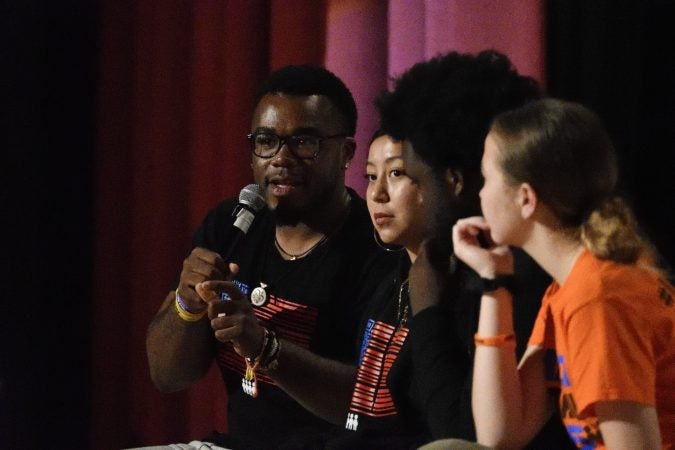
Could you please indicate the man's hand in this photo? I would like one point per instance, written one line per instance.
(180, 352)
(232, 320)
(201, 265)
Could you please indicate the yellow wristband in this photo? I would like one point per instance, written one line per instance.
(186, 315)
(502, 340)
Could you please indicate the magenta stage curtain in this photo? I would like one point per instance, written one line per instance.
(176, 88)
(415, 30)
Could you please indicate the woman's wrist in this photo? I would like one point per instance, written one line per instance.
(496, 313)
(491, 284)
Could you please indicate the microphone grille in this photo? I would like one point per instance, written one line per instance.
(252, 196)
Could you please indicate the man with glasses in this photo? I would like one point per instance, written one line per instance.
(308, 263)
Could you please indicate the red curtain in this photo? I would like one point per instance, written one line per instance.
(176, 88)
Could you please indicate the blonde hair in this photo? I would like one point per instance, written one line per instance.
(563, 151)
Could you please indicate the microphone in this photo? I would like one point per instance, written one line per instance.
(251, 201)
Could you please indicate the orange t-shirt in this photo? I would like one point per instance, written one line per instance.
(610, 332)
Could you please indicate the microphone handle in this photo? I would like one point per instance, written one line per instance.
(238, 233)
(243, 221)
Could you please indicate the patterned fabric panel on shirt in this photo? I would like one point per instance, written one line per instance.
(381, 345)
(291, 321)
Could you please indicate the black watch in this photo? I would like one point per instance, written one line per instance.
(506, 281)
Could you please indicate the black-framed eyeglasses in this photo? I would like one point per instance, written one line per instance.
(303, 146)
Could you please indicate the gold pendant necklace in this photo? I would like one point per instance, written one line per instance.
(293, 257)
(402, 311)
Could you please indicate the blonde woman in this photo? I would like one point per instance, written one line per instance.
(605, 333)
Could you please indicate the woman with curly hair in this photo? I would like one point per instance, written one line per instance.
(413, 380)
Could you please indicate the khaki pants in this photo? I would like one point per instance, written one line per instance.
(453, 444)
(194, 445)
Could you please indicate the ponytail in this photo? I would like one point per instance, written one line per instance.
(612, 232)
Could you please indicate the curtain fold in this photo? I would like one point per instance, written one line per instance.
(356, 51)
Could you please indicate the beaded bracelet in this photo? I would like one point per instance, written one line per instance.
(270, 359)
(184, 312)
(501, 340)
(249, 383)
(267, 360)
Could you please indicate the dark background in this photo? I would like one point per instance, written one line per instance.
(49, 68)
(616, 57)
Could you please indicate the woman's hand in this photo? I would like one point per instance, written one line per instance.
(488, 261)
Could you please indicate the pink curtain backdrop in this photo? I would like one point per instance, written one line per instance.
(356, 50)
(176, 87)
(416, 30)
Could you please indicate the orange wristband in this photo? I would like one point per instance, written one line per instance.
(501, 340)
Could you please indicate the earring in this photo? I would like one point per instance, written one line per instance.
(346, 166)
(455, 181)
(458, 187)
(383, 246)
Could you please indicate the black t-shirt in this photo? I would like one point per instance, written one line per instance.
(315, 302)
(414, 381)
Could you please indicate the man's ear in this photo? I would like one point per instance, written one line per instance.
(348, 149)
(527, 200)
(455, 180)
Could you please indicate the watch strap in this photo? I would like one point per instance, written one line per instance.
(507, 282)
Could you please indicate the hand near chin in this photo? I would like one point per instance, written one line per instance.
(232, 320)
(486, 258)
(429, 274)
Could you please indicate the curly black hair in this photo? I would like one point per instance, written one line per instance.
(304, 80)
(444, 107)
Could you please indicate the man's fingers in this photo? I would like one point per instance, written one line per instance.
(206, 294)
(233, 269)
(219, 287)
(218, 308)
(205, 269)
(212, 292)
(228, 334)
(208, 263)
(221, 266)
(223, 320)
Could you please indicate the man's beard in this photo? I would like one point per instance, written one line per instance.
(285, 214)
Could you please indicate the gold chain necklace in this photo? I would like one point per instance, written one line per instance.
(259, 294)
(402, 314)
(293, 257)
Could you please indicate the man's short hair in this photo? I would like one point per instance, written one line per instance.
(305, 80)
(444, 106)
